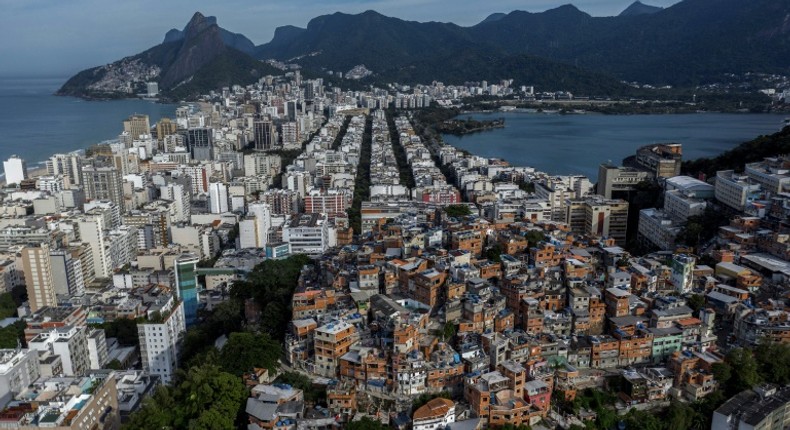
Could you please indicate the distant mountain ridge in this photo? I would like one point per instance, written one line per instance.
(639, 8)
(689, 43)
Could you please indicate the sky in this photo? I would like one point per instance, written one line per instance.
(57, 38)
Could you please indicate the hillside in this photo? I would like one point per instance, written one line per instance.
(199, 58)
(747, 152)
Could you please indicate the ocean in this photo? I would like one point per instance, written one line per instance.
(35, 124)
(578, 144)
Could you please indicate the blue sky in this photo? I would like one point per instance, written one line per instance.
(61, 37)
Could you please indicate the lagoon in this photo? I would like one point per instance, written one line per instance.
(579, 143)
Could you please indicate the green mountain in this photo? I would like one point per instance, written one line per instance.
(691, 42)
(200, 58)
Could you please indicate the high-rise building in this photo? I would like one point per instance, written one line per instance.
(281, 202)
(91, 231)
(18, 369)
(160, 339)
(70, 343)
(165, 127)
(615, 181)
(67, 273)
(152, 89)
(291, 110)
(103, 183)
(606, 218)
(185, 268)
(137, 125)
(290, 133)
(682, 272)
(263, 133)
(38, 277)
(68, 165)
(218, 197)
(254, 230)
(199, 143)
(15, 170)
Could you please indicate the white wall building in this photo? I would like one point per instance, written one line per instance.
(15, 170)
(160, 339)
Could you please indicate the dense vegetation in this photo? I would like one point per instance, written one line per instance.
(457, 211)
(13, 334)
(229, 68)
(206, 397)
(362, 182)
(208, 392)
(468, 125)
(342, 132)
(406, 175)
(123, 329)
(312, 393)
(699, 229)
(747, 152)
(271, 285)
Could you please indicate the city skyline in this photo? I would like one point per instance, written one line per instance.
(87, 39)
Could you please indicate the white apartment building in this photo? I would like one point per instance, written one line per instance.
(18, 369)
(734, 190)
(70, 343)
(160, 339)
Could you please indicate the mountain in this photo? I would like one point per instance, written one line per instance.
(494, 17)
(691, 42)
(639, 8)
(234, 40)
(341, 41)
(185, 58)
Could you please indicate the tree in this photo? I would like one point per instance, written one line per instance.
(774, 362)
(156, 412)
(534, 237)
(722, 372)
(114, 365)
(494, 253)
(123, 329)
(312, 393)
(7, 306)
(696, 302)
(681, 416)
(245, 351)
(636, 419)
(366, 423)
(746, 375)
(204, 398)
(457, 211)
(12, 335)
(449, 330)
(271, 284)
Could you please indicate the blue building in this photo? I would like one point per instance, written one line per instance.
(185, 268)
